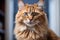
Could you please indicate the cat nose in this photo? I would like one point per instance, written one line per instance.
(30, 18)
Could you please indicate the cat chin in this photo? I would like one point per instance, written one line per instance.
(30, 25)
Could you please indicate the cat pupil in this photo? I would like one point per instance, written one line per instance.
(34, 13)
(25, 13)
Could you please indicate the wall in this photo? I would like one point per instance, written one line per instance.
(54, 16)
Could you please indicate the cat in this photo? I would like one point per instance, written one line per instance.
(31, 23)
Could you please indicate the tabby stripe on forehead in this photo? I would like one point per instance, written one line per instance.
(31, 9)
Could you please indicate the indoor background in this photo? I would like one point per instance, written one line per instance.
(9, 8)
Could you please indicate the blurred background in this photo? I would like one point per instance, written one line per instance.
(9, 8)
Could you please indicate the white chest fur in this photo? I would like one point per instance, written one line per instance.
(22, 28)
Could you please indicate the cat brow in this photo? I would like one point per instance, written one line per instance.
(30, 11)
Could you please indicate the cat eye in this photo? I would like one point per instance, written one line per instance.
(25, 13)
(34, 13)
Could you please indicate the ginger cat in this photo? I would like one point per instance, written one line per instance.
(31, 23)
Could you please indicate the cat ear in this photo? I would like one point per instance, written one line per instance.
(20, 5)
(40, 3)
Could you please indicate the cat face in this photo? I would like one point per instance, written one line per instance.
(30, 15)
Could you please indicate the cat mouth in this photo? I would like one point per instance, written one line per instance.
(31, 24)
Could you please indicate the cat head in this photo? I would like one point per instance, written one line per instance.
(30, 15)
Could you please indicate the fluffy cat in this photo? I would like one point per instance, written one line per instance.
(31, 24)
